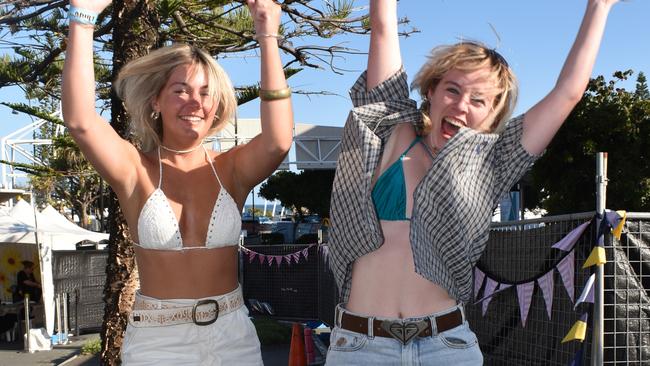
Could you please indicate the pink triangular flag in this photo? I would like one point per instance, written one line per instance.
(547, 284)
(287, 258)
(566, 267)
(490, 285)
(270, 259)
(296, 257)
(525, 294)
(261, 257)
(566, 243)
(251, 256)
(479, 276)
(305, 252)
(278, 260)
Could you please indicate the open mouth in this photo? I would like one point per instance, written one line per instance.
(450, 127)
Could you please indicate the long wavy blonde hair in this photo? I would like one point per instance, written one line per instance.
(142, 79)
(467, 57)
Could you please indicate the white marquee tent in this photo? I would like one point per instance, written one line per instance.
(51, 231)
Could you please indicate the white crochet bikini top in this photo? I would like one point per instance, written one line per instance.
(158, 227)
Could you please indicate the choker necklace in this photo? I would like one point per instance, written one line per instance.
(181, 151)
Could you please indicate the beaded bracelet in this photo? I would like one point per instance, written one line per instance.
(268, 95)
(82, 16)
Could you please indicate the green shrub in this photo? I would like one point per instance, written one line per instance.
(91, 347)
(270, 331)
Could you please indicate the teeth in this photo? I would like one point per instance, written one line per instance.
(454, 122)
(191, 118)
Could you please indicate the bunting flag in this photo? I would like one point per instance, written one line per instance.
(578, 330)
(567, 243)
(547, 284)
(490, 285)
(587, 294)
(479, 276)
(525, 294)
(566, 268)
(277, 259)
(596, 258)
(251, 256)
(618, 229)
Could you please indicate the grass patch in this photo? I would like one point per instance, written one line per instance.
(91, 347)
(270, 331)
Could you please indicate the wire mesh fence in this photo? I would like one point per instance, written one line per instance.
(627, 294)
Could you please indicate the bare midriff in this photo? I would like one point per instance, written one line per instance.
(384, 282)
(187, 274)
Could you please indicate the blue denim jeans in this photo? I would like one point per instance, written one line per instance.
(456, 346)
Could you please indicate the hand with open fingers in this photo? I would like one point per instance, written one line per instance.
(266, 16)
(95, 6)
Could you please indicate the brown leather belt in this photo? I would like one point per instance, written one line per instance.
(402, 330)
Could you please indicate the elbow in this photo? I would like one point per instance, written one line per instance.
(282, 148)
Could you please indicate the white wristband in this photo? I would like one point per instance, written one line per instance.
(82, 16)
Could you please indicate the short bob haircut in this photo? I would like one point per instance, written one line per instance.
(467, 57)
(142, 79)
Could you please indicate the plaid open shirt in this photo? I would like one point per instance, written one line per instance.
(452, 205)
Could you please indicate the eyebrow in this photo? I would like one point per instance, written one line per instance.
(182, 83)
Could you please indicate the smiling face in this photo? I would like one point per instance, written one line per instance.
(461, 99)
(186, 106)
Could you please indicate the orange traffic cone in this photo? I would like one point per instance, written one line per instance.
(297, 349)
(309, 345)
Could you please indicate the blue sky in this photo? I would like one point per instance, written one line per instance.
(535, 36)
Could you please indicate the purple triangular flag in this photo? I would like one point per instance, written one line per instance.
(490, 285)
(547, 284)
(503, 286)
(566, 243)
(261, 257)
(251, 256)
(305, 252)
(479, 276)
(566, 269)
(296, 257)
(525, 295)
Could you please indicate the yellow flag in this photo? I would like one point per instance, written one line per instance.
(619, 228)
(597, 257)
(577, 332)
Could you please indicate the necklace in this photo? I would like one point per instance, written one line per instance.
(181, 151)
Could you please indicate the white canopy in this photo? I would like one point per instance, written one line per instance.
(22, 224)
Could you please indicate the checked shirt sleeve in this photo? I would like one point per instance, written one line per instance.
(512, 160)
(384, 105)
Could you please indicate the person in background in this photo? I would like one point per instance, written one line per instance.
(415, 188)
(26, 283)
(181, 201)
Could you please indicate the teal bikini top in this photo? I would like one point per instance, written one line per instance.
(389, 192)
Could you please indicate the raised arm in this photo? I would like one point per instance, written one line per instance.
(384, 55)
(100, 144)
(544, 119)
(261, 156)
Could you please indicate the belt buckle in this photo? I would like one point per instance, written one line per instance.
(404, 331)
(205, 302)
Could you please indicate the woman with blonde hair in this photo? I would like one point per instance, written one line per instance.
(415, 189)
(181, 201)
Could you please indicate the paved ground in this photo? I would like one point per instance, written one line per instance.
(11, 354)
